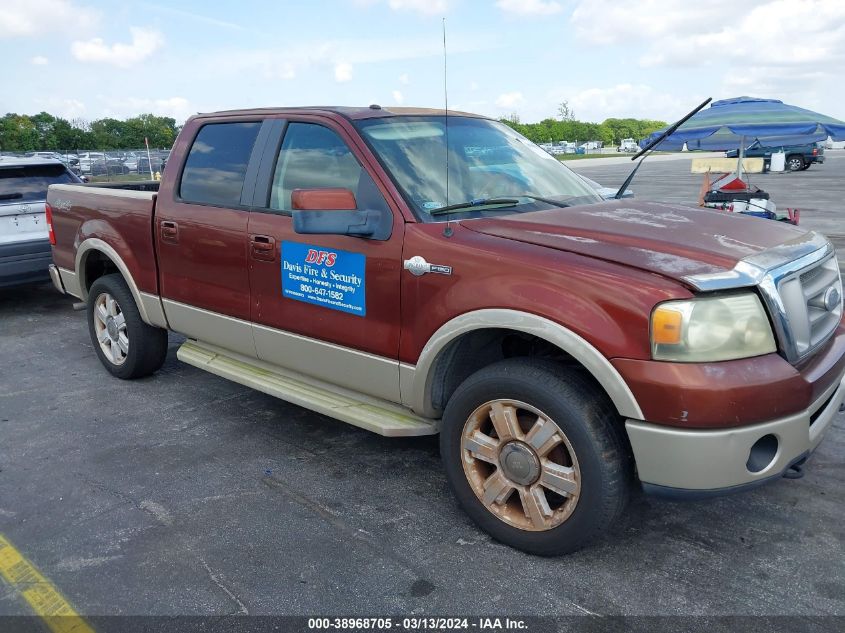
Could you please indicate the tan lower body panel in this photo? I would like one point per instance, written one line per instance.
(716, 459)
(373, 414)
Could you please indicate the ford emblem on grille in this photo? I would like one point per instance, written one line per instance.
(831, 299)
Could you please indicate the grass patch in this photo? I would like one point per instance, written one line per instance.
(119, 178)
(581, 156)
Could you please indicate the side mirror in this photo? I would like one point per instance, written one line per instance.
(323, 200)
(333, 212)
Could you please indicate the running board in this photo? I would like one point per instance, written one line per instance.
(373, 414)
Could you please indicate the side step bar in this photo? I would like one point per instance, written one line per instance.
(373, 414)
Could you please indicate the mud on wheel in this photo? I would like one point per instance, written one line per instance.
(534, 453)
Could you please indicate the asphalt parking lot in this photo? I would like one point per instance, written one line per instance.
(184, 493)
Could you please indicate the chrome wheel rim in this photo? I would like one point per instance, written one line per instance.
(795, 164)
(520, 465)
(110, 328)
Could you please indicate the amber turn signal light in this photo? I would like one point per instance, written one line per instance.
(666, 326)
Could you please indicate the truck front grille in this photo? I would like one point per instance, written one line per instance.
(812, 302)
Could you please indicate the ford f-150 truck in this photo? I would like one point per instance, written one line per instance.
(411, 272)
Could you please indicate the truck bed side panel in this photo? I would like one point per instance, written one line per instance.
(121, 218)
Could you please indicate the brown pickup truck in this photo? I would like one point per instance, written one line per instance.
(412, 273)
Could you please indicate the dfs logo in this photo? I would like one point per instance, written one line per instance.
(320, 257)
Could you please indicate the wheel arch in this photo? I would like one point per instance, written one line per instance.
(419, 384)
(94, 249)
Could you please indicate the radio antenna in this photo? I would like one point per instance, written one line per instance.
(447, 231)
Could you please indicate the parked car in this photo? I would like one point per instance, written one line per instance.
(563, 346)
(628, 145)
(144, 163)
(107, 167)
(130, 161)
(87, 158)
(798, 157)
(24, 245)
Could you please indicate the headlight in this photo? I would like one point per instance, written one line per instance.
(710, 329)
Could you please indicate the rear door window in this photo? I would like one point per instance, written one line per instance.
(217, 162)
(29, 183)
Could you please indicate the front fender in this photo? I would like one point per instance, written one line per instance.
(416, 381)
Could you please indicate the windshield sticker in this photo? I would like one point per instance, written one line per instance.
(330, 278)
(431, 204)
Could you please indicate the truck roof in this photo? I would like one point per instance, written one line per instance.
(349, 112)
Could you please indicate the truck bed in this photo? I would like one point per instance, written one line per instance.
(119, 214)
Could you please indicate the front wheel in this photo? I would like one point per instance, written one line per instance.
(125, 345)
(535, 455)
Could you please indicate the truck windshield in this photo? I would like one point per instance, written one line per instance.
(486, 160)
(29, 183)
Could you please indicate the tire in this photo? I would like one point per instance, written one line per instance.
(588, 462)
(794, 162)
(125, 345)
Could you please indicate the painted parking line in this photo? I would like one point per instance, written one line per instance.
(43, 597)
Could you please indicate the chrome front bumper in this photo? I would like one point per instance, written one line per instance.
(684, 462)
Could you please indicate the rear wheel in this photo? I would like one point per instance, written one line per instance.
(794, 162)
(127, 347)
(534, 454)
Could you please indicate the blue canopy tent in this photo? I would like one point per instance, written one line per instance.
(727, 124)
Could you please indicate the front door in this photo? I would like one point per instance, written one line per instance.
(324, 305)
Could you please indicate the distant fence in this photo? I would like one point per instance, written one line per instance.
(100, 164)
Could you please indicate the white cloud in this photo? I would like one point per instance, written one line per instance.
(768, 48)
(398, 97)
(145, 42)
(343, 72)
(426, 7)
(25, 18)
(625, 100)
(404, 79)
(509, 100)
(529, 7)
(65, 108)
(197, 17)
(177, 107)
(329, 56)
(39, 60)
(473, 86)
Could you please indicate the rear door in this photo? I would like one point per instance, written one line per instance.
(201, 233)
(324, 305)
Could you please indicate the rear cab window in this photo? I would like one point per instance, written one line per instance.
(217, 162)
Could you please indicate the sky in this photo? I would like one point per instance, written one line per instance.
(607, 58)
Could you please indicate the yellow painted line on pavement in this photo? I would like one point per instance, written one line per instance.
(42, 596)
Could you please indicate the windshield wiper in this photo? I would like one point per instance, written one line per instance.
(645, 151)
(10, 196)
(551, 201)
(472, 204)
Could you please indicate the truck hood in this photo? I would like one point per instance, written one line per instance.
(671, 240)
